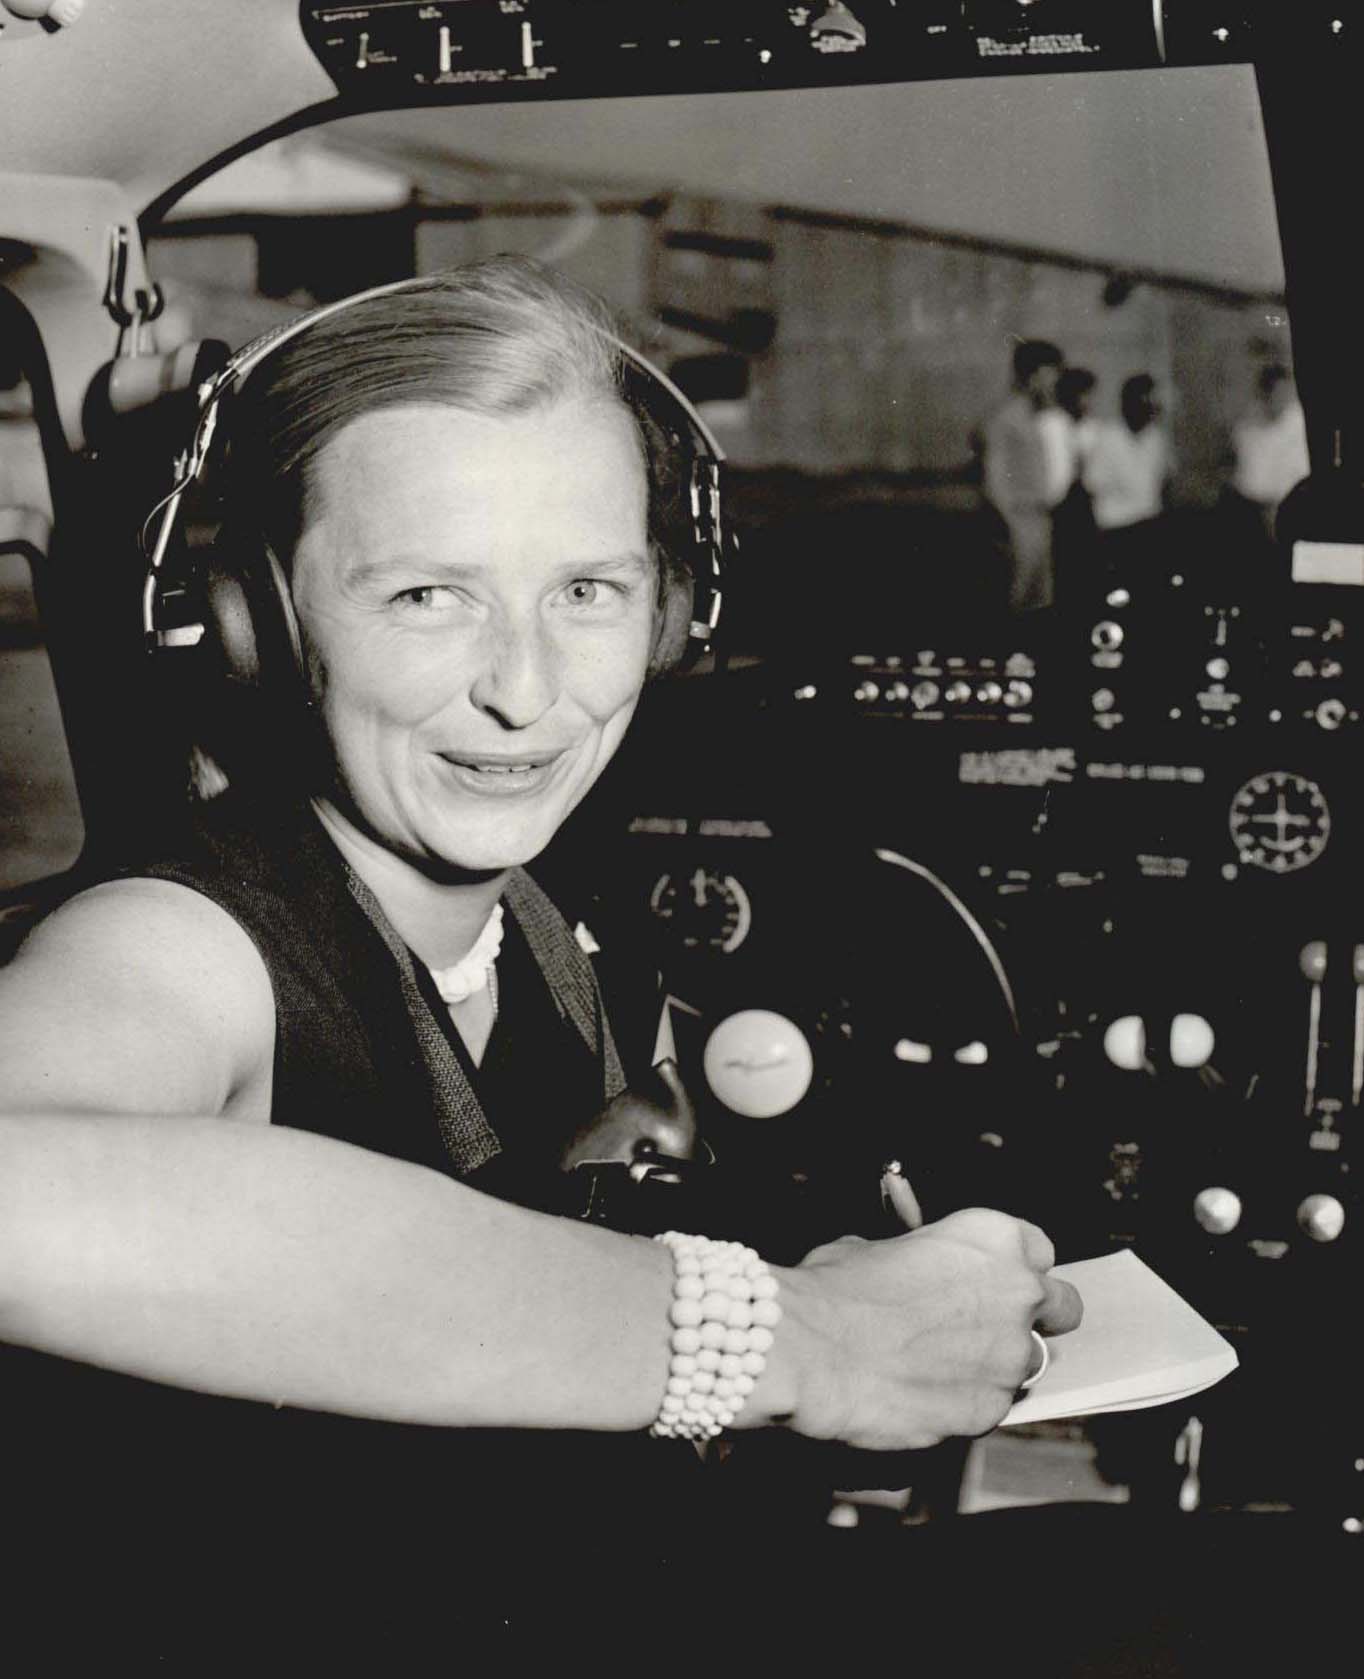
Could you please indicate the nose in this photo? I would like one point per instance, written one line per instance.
(518, 680)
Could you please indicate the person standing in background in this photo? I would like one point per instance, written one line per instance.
(1270, 444)
(1073, 521)
(1128, 467)
(1027, 469)
(1075, 405)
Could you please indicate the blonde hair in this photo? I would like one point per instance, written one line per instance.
(496, 338)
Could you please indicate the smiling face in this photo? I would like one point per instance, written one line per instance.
(478, 603)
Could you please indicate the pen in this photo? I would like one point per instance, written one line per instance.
(898, 1198)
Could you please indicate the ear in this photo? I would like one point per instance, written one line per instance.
(672, 622)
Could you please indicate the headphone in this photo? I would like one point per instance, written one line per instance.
(234, 599)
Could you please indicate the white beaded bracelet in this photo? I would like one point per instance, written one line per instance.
(723, 1313)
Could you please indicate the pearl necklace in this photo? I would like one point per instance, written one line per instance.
(471, 973)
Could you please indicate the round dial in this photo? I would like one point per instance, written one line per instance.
(703, 910)
(1279, 821)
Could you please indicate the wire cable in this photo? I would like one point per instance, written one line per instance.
(973, 926)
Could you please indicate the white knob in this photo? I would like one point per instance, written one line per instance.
(1321, 1217)
(1217, 1210)
(60, 11)
(1191, 1041)
(1125, 1042)
(758, 1063)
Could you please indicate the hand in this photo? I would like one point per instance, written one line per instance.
(895, 1345)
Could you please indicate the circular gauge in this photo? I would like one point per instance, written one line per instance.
(703, 910)
(1279, 821)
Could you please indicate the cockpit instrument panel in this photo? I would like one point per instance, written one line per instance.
(426, 51)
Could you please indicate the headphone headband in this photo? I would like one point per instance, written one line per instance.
(704, 491)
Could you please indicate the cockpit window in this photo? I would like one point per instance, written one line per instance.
(846, 320)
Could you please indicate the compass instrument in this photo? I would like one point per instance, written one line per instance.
(1279, 821)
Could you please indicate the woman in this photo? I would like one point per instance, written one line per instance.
(283, 1104)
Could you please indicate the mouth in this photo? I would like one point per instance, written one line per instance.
(502, 774)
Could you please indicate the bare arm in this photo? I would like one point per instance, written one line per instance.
(277, 1265)
(246, 1259)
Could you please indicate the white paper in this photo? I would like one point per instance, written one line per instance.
(1140, 1344)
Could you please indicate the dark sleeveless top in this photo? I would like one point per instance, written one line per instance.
(205, 1484)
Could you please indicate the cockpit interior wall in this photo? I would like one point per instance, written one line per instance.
(1053, 895)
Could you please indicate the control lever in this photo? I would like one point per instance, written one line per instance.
(1357, 1068)
(897, 1198)
(1312, 962)
(639, 1125)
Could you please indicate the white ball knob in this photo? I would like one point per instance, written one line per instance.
(60, 11)
(1217, 1210)
(1125, 1042)
(1321, 1217)
(758, 1063)
(1191, 1041)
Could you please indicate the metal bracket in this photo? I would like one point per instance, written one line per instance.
(132, 307)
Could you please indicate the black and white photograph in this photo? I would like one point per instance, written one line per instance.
(681, 907)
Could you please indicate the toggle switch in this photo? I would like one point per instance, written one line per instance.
(1191, 1041)
(1312, 963)
(1321, 1217)
(910, 1049)
(1125, 1042)
(1357, 1062)
(1217, 1210)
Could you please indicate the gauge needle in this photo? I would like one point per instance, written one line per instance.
(698, 887)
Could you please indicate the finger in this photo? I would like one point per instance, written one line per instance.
(1037, 1246)
(901, 1200)
(1062, 1308)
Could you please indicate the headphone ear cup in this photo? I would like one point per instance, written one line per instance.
(250, 621)
(673, 643)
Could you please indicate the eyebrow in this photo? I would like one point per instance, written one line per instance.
(404, 565)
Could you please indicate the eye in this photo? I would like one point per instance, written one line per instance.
(423, 597)
(597, 595)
